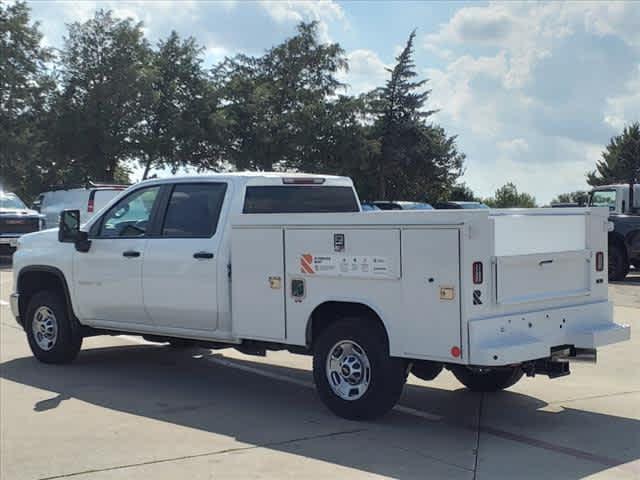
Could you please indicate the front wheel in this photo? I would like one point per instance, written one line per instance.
(50, 332)
(490, 380)
(353, 372)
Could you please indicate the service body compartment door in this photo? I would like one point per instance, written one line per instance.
(257, 283)
(542, 276)
(431, 291)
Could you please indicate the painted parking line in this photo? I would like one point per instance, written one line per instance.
(633, 467)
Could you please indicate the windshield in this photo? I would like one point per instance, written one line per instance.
(11, 201)
(603, 198)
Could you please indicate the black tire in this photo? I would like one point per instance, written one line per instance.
(618, 264)
(487, 381)
(387, 375)
(68, 340)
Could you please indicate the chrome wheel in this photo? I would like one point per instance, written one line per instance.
(348, 370)
(45, 328)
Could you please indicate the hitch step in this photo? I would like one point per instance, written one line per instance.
(551, 368)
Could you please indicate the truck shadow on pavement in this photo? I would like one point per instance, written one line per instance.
(185, 388)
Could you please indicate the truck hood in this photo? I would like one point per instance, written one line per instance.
(42, 237)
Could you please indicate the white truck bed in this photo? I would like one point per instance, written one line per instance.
(540, 289)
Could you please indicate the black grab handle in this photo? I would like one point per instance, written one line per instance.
(203, 255)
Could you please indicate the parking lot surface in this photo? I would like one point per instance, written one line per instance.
(131, 409)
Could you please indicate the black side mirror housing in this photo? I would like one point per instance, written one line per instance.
(69, 230)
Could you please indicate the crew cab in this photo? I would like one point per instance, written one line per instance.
(273, 261)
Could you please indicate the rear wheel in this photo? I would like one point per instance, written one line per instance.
(50, 332)
(353, 372)
(618, 264)
(490, 380)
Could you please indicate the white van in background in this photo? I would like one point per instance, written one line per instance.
(88, 200)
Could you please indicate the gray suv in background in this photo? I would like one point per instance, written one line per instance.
(15, 220)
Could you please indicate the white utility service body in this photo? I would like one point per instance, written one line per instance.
(540, 287)
(210, 261)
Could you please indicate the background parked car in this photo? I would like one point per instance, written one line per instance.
(88, 200)
(369, 207)
(458, 205)
(15, 220)
(402, 205)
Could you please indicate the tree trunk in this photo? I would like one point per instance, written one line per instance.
(382, 184)
(147, 169)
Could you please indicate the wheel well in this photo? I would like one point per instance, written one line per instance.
(33, 281)
(329, 312)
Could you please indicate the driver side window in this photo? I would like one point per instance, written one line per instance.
(130, 217)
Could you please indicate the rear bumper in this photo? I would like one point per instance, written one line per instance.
(528, 336)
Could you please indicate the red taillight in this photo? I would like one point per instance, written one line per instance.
(90, 205)
(477, 273)
(599, 262)
(303, 180)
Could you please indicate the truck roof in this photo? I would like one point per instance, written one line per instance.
(254, 178)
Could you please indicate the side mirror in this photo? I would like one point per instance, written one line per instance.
(69, 226)
(69, 230)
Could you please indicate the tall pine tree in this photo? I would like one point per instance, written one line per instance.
(417, 160)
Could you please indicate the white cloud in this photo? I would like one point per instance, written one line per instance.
(366, 72)
(296, 11)
(624, 108)
(534, 88)
(513, 146)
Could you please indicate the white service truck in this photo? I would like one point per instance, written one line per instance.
(287, 261)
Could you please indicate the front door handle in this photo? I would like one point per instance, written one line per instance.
(203, 255)
(130, 254)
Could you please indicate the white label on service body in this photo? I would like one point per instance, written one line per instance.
(344, 265)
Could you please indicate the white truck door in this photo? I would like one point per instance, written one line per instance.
(108, 278)
(180, 272)
(257, 283)
(431, 292)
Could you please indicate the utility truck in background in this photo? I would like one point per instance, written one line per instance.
(624, 233)
(278, 261)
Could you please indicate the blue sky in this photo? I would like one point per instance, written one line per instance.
(533, 90)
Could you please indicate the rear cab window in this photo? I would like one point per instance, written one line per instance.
(193, 210)
(300, 199)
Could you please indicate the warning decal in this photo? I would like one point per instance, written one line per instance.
(344, 265)
(306, 262)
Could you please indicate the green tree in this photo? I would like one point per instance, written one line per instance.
(176, 131)
(620, 161)
(25, 89)
(461, 192)
(508, 196)
(105, 95)
(417, 160)
(580, 197)
(277, 106)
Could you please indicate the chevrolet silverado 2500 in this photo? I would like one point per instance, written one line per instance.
(283, 261)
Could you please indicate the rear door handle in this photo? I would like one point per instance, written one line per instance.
(545, 262)
(130, 254)
(203, 255)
